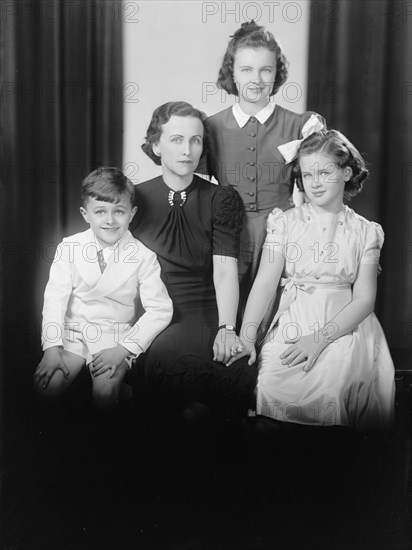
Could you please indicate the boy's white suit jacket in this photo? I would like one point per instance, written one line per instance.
(86, 311)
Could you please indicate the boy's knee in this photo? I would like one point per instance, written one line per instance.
(106, 396)
(53, 392)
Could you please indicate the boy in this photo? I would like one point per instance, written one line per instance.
(97, 276)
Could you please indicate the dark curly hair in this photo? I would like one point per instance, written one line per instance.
(161, 116)
(107, 184)
(336, 145)
(251, 35)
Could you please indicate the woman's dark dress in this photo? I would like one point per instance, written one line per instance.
(185, 230)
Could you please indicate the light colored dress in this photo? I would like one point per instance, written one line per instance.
(352, 382)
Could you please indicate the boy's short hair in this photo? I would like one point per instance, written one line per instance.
(107, 184)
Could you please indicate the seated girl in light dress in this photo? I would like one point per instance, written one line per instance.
(324, 360)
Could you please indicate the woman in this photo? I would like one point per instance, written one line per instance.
(193, 226)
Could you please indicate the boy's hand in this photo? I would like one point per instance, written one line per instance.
(51, 362)
(108, 360)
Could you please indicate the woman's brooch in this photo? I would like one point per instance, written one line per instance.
(177, 198)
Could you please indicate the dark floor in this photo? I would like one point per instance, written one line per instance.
(77, 481)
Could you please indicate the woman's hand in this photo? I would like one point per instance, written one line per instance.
(225, 342)
(108, 360)
(303, 352)
(228, 347)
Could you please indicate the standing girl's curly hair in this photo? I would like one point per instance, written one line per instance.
(251, 35)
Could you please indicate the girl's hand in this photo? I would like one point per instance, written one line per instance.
(108, 360)
(51, 362)
(304, 352)
(243, 350)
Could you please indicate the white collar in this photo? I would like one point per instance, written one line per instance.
(262, 116)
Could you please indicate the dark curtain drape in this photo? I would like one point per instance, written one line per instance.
(61, 111)
(360, 79)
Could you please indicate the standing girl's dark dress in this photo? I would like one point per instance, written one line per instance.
(185, 230)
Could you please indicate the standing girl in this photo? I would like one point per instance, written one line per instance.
(325, 359)
(245, 140)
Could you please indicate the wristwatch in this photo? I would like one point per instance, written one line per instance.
(226, 327)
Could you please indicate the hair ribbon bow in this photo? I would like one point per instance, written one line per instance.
(289, 150)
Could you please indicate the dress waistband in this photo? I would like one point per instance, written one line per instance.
(303, 284)
(290, 290)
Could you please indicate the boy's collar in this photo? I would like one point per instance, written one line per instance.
(242, 118)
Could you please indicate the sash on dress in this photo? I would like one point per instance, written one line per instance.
(291, 286)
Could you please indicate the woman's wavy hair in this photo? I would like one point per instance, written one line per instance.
(344, 153)
(161, 116)
(251, 35)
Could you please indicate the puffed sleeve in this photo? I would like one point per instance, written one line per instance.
(373, 244)
(276, 231)
(227, 208)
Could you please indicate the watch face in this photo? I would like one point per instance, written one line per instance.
(227, 327)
